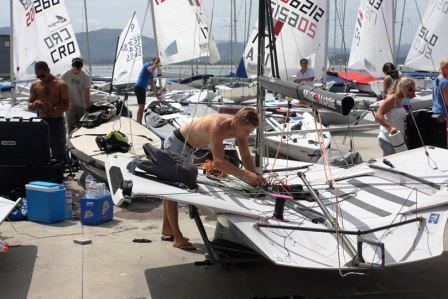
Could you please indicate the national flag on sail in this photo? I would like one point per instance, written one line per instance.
(278, 27)
(194, 3)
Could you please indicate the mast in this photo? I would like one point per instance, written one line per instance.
(261, 93)
(264, 14)
(117, 52)
(394, 12)
(327, 33)
(11, 56)
(231, 36)
(234, 30)
(87, 35)
(156, 42)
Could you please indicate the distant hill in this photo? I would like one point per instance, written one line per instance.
(4, 30)
(104, 41)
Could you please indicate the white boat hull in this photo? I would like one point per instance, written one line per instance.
(370, 196)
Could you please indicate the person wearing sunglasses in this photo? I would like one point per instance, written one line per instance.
(391, 114)
(49, 98)
(79, 83)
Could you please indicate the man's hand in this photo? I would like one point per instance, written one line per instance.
(255, 179)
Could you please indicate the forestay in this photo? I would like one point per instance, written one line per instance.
(300, 31)
(373, 43)
(182, 31)
(129, 57)
(42, 31)
(429, 45)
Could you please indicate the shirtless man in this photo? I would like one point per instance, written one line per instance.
(49, 98)
(210, 130)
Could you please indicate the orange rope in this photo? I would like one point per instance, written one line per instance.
(210, 169)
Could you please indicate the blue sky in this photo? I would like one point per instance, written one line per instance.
(116, 13)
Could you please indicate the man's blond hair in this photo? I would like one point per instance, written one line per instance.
(247, 116)
(443, 63)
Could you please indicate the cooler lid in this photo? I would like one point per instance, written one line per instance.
(44, 186)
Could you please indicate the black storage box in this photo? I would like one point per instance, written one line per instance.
(15, 177)
(24, 141)
(432, 127)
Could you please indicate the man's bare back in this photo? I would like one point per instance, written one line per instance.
(212, 130)
(199, 132)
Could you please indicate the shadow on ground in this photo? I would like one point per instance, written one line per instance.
(267, 281)
(16, 271)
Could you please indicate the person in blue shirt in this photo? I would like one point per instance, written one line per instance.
(145, 78)
(440, 90)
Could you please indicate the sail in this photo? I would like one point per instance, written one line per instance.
(431, 41)
(300, 32)
(182, 31)
(129, 59)
(373, 43)
(42, 31)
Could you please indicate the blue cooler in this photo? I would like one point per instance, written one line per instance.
(96, 210)
(45, 201)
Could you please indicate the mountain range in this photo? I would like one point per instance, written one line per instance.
(103, 43)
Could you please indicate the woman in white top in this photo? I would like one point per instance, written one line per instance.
(391, 114)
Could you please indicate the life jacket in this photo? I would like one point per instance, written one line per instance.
(165, 166)
(112, 142)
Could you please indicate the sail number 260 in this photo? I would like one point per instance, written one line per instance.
(40, 5)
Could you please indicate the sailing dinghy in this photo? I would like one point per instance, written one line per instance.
(374, 215)
(82, 143)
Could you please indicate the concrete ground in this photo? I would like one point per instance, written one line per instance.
(44, 262)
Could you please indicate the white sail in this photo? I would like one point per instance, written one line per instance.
(431, 41)
(42, 31)
(129, 57)
(300, 32)
(373, 43)
(182, 32)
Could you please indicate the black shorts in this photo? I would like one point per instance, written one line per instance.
(140, 93)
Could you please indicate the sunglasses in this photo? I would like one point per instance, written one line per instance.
(412, 90)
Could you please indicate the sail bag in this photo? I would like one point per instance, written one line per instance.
(165, 166)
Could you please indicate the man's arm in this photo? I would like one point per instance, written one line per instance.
(310, 79)
(311, 75)
(224, 165)
(444, 89)
(32, 105)
(246, 157)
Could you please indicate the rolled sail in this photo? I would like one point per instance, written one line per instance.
(340, 103)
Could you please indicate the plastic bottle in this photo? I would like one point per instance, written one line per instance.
(100, 189)
(68, 204)
(91, 190)
(89, 178)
